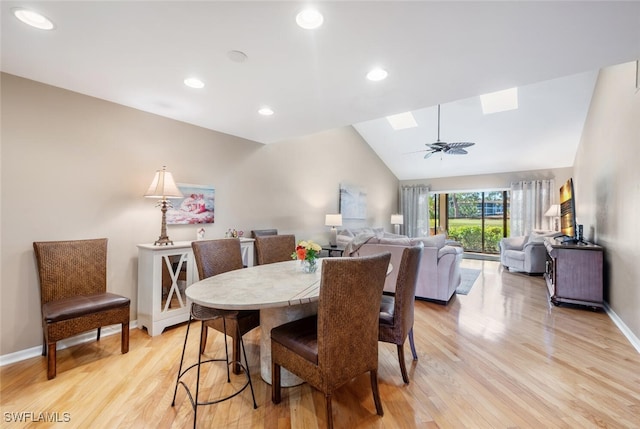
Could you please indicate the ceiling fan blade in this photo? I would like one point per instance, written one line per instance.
(428, 155)
(460, 145)
(456, 151)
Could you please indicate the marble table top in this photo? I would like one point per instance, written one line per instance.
(263, 286)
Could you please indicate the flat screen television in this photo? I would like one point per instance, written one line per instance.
(568, 212)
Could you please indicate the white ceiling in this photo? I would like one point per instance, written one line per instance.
(138, 53)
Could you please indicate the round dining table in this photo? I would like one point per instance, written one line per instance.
(281, 291)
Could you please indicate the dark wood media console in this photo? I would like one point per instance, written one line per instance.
(574, 273)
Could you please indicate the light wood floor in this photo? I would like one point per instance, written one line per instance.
(500, 357)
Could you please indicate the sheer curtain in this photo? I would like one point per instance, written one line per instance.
(529, 201)
(414, 202)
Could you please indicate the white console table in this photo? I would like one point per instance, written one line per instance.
(164, 272)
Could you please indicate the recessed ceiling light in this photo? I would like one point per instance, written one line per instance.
(266, 111)
(499, 101)
(377, 74)
(309, 19)
(193, 82)
(33, 19)
(402, 121)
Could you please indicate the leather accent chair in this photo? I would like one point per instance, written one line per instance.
(216, 257)
(396, 311)
(73, 293)
(341, 341)
(274, 248)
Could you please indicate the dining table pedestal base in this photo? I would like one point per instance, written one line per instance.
(269, 319)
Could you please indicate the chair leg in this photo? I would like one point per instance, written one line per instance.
(51, 361)
(327, 399)
(124, 340)
(44, 343)
(98, 337)
(376, 392)
(226, 349)
(236, 351)
(246, 362)
(276, 395)
(403, 367)
(412, 344)
(184, 347)
(203, 339)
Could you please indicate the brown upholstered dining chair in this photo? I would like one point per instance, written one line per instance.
(73, 293)
(341, 341)
(216, 257)
(274, 248)
(396, 311)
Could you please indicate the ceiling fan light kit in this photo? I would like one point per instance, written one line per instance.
(456, 148)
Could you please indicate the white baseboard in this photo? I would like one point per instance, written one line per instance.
(635, 341)
(78, 339)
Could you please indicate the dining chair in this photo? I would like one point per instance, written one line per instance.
(396, 311)
(73, 294)
(341, 341)
(274, 248)
(216, 257)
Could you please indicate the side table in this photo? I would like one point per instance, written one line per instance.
(338, 249)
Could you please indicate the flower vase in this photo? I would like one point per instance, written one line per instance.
(310, 265)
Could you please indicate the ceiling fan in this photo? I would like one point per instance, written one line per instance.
(456, 148)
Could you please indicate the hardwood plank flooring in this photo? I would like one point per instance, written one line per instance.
(499, 357)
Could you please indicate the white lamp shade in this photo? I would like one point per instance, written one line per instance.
(397, 219)
(554, 210)
(163, 186)
(333, 220)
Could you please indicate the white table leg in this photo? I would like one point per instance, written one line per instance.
(269, 319)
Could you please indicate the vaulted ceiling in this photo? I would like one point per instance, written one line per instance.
(138, 54)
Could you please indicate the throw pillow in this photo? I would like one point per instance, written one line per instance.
(436, 241)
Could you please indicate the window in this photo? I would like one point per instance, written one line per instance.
(478, 220)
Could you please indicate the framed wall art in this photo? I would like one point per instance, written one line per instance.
(353, 202)
(197, 206)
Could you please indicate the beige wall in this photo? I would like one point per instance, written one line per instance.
(607, 186)
(76, 167)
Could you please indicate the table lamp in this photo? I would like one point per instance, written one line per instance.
(396, 221)
(554, 211)
(163, 187)
(333, 220)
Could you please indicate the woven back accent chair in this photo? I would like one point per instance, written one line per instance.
(274, 248)
(216, 257)
(73, 293)
(396, 311)
(341, 341)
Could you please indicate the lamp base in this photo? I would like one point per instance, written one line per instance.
(333, 237)
(163, 241)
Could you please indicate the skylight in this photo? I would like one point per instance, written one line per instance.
(402, 121)
(499, 101)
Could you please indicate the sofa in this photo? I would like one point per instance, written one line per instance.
(439, 272)
(526, 253)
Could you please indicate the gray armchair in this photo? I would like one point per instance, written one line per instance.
(525, 253)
